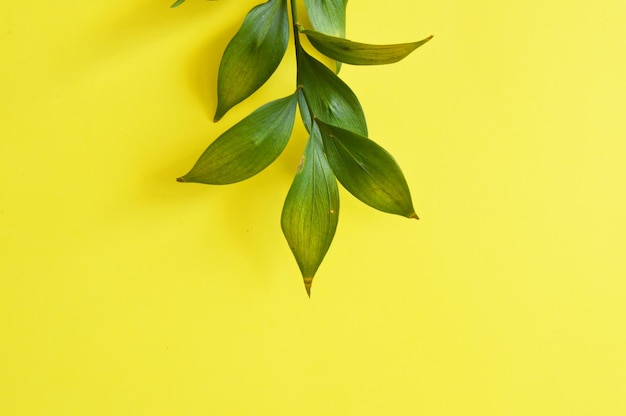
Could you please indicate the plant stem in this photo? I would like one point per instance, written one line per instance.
(294, 22)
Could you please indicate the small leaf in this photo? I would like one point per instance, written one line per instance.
(367, 170)
(356, 53)
(305, 112)
(248, 147)
(253, 54)
(179, 2)
(329, 17)
(311, 210)
(327, 96)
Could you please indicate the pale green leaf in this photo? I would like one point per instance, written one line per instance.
(253, 54)
(311, 209)
(327, 16)
(367, 170)
(327, 96)
(248, 147)
(356, 53)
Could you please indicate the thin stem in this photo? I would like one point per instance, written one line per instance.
(294, 11)
(299, 51)
(296, 42)
(294, 24)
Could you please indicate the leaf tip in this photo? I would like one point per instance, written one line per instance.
(181, 179)
(414, 215)
(308, 282)
(219, 113)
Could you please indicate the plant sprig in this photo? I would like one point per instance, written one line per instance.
(338, 148)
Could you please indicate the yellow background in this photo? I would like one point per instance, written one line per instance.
(123, 292)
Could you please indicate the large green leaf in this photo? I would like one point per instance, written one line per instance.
(327, 96)
(367, 170)
(356, 53)
(248, 147)
(253, 54)
(311, 210)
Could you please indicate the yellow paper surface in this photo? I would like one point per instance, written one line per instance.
(123, 292)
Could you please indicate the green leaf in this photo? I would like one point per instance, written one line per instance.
(355, 53)
(248, 147)
(367, 170)
(253, 54)
(327, 96)
(311, 210)
(329, 17)
(305, 112)
(179, 2)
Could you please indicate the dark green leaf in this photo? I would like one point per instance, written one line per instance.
(355, 53)
(248, 147)
(367, 170)
(311, 209)
(327, 96)
(253, 54)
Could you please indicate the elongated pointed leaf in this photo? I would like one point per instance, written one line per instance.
(367, 170)
(328, 97)
(356, 53)
(248, 147)
(311, 210)
(253, 54)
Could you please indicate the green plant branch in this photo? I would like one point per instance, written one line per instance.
(338, 149)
